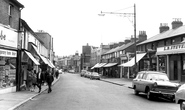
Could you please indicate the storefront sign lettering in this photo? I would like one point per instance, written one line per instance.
(8, 53)
(172, 47)
(2, 37)
(8, 37)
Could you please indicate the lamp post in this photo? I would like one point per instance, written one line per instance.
(126, 14)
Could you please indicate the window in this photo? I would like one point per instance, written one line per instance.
(10, 8)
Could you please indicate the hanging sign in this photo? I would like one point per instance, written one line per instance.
(8, 53)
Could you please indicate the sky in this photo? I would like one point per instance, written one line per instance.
(74, 23)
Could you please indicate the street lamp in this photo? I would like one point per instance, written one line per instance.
(125, 15)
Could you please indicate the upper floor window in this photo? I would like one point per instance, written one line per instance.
(10, 9)
(183, 39)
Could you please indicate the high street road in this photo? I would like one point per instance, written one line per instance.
(73, 92)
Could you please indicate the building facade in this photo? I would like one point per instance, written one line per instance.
(165, 51)
(10, 15)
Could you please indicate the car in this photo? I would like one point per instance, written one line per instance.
(95, 75)
(83, 72)
(154, 84)
(180, 97)
(88, 74)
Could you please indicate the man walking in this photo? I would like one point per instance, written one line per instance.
(49, 80)
(39, 79)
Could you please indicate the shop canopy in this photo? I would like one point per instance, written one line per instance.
(110, 64)
(95, 66)
(101, 65)
(50, 64)
(32, 58)
(132, 61)
(35, 48)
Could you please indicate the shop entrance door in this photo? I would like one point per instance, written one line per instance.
(175, 70)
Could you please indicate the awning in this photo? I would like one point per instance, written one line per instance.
(95, 66)
(50, 64)
(35, 48)
(32, 58)
(132, 61)
(110, 64)
(101, 65)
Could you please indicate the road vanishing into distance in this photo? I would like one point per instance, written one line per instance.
(73, 92)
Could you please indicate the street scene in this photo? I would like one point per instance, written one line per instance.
(92, 55)
(73, 92)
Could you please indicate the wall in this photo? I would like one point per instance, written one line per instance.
(4, 17)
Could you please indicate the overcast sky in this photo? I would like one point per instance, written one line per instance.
(74, 23)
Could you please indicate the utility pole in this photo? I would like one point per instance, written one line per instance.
(127, 14)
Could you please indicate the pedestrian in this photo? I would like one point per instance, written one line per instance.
(30, 80)
(39, 79)
(34, 78)
(49, 80)
(57, 73)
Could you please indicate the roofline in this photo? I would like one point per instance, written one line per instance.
(27, 27)
(17, 3)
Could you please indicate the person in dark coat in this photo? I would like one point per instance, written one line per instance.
(49, 80)
(39, 79)
(57, 73)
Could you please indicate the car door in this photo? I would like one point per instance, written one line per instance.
(137, 81)
(143, 82)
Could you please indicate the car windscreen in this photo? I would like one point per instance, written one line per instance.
(157, 77)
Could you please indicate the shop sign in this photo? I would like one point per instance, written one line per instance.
(8, 53)
(8, 37)
(174, 47)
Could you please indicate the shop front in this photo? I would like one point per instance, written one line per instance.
(8, 59)
(171, 60)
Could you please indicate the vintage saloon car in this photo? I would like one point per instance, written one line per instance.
(154, 84)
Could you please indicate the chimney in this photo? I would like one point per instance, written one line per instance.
(132, 39)
(121, 43)
(163, 27)
(127, 41)
(176, 23)
(142, 36)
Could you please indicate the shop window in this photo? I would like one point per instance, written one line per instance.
(162, 64)
(7, 72)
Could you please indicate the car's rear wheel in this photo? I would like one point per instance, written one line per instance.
(182, 105)
(149, 95)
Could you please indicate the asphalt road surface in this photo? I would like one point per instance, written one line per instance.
(73, 92)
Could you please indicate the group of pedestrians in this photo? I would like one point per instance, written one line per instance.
(38, 79)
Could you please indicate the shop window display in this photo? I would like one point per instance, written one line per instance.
(7, 72)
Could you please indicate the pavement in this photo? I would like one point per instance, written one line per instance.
(119, 81)
(10, 101)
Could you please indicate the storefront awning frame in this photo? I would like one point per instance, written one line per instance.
(132, 61)
(32, 58)
(110, 64)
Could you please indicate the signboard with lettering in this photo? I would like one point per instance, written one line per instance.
(8, 53)
(8, 37)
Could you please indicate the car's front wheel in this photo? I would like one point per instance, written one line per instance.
(182, 105)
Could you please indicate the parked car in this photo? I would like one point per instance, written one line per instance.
(83, 72)
(60, 71)
(180, 97)
(154, 84)
(95, 75)
(88, 74)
